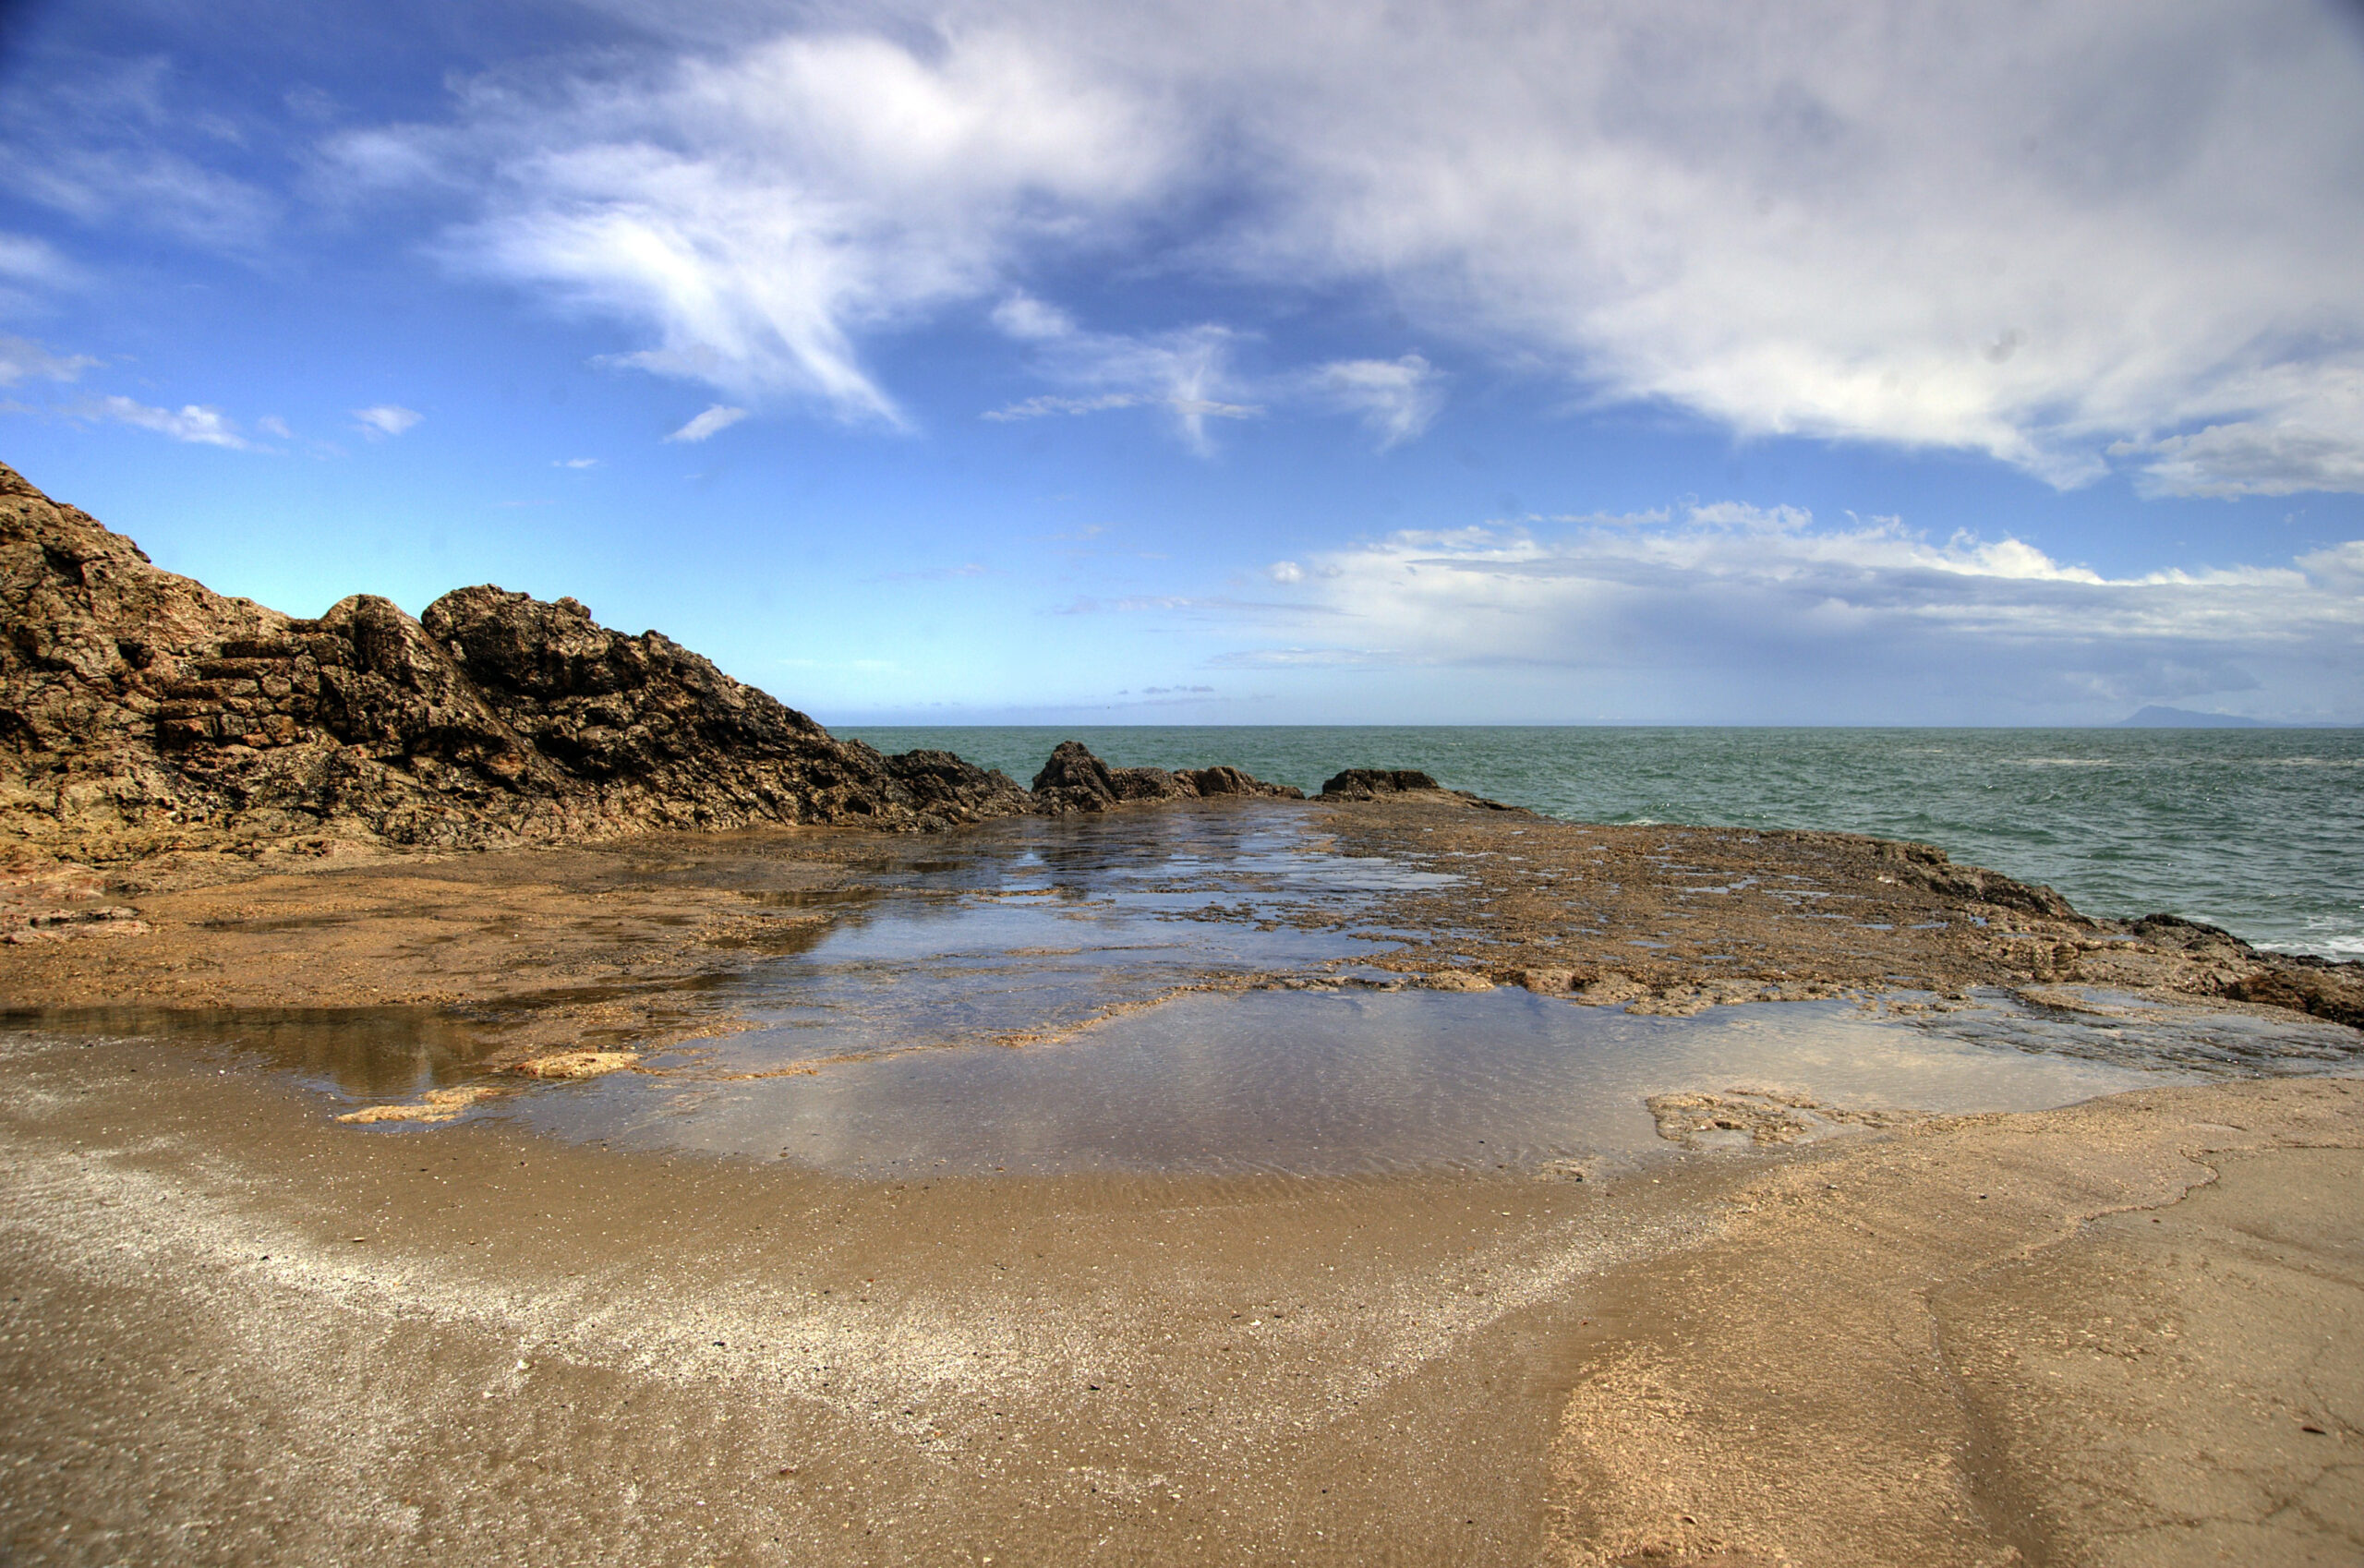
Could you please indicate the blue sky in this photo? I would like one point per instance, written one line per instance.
(1042, 360)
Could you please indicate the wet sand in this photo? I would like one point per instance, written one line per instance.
(237, 1331)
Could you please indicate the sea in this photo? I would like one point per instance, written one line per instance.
(2260, 831)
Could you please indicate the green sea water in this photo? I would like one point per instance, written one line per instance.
(2260, 831)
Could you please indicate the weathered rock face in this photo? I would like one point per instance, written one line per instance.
(1370, 783)
(141, 711)
(1074, 780)
(1381, 783)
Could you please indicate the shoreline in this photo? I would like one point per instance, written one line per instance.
(479, 1339)
(618, 946)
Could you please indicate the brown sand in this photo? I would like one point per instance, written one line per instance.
(2129, 1331)
(233, 1331)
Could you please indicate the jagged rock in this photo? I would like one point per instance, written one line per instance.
(1074, 780)
(140, 711)
(1925, 865)
(1379, 783)
(1367, 783)
(2308, 984)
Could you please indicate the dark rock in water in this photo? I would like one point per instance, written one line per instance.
(1365, 783)
(140, 711)
(2174, 931)
(1074, 780)
(1377, 783)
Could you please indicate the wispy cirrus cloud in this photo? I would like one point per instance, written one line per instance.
(756, 209)
(111, 144)
(1396, 399)
(21, 359)
(1187, 373)
(2058, 239)
(1191, 374)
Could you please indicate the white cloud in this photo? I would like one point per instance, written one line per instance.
(2250, 458)
(2034, 234)
(1396, 399)
(26, 259)
(272, 425)
(756, 209)
(193, 422)
(574, 462)
(1022, 316)
(1755, 612)
(23, 359)
(114, 145)
(386, 419)
(715, 417)
(1187, 373)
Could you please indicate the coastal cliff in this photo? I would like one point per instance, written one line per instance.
(142, 712)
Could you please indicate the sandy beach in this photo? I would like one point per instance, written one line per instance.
(2120, 1332)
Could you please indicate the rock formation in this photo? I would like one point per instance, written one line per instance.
(1074, 780)
(1380, 783)
(140, 711)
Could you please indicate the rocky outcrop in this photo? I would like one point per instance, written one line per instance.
(1370, 783)
(140, 712)
(1925, 865)
(1383, 783)
(1074, 780)
(2220, 962)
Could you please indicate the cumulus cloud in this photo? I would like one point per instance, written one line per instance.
(2035, 234)
(384, 419)
(715, 417)
(22, 359)
(193, 422)
(1752, 606)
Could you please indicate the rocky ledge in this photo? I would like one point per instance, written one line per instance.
(141, 712)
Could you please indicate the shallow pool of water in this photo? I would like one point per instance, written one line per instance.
(1193, 991)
